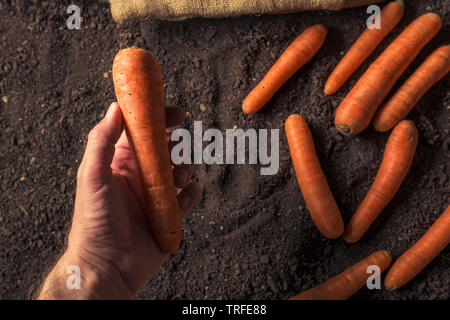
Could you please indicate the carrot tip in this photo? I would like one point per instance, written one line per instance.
(344, 129)
(389, 288)
(334, 235)
(381, 127)
(401, 3)
(322, 28)
(349, 240)
(352, 237)
(246, 109)
(329, 91)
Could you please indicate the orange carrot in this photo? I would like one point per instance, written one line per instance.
(364, 46)
(140, 94)
(397, 160)
(357, 109)
(293, 58)
(400, 104)
(420, 254)
(312, 181)
(347, 283)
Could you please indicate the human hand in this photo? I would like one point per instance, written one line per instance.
(110, 235)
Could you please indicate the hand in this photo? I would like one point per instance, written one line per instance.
(110, 235)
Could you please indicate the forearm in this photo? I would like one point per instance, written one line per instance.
(93, 281)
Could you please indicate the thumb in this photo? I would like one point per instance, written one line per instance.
(101, 140)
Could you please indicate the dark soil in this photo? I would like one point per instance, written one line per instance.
(251, 237)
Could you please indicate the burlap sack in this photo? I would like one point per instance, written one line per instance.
(123, 10)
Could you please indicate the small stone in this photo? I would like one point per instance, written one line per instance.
(211, 33)
(329, 145)
(327, 250)
(202, 107)
(196, 62)
(264, 259)
(285, 285)
(273, 285)
(420, 287)
(5, 99)
(442, 178)
(445, 145)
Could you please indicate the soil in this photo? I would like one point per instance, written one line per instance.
(251, 237)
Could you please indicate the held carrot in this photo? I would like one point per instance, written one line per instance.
(436, 66)
(347, 283)
(420, 254)
(364, 46)
(293, 58)
(397, 160)
(355, 112)
(312, 181)
(139, 91)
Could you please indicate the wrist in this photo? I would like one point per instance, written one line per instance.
(80, 276)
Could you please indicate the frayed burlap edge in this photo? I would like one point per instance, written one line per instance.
(123, 10)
